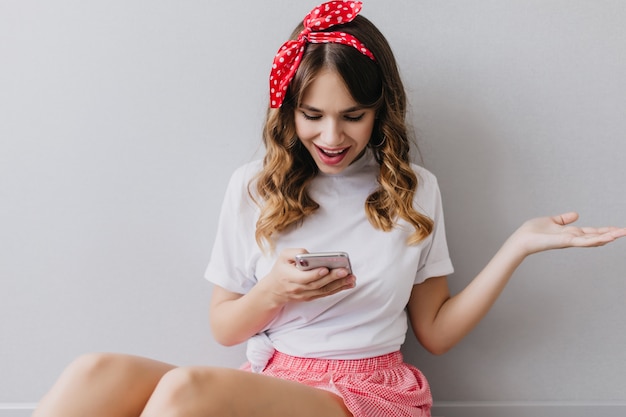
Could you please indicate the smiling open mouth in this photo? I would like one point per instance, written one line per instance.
(332, 156)
(333, 153)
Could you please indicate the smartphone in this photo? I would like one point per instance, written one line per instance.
(330, 260)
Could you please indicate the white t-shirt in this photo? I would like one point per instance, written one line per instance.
(365, 321)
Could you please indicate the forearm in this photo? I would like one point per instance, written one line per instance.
(459, 314)
(441, 321)
(235, 317)
(235, 320)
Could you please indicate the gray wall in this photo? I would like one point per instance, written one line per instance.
(121, 121)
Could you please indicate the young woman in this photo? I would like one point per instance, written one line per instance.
(336, 176)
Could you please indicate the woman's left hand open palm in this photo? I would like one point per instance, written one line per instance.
(556, 232)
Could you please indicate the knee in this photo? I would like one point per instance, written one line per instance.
(190, 391)
(183, 385)
(93, 366)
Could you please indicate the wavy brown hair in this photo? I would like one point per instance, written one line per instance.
(288, 167)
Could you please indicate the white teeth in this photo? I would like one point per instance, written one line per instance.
(333, 152)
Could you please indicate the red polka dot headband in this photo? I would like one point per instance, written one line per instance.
(322, 17)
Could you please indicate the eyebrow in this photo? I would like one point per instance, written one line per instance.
(316, 110)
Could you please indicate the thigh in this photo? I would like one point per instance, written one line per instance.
(205, 391)
(106, 385)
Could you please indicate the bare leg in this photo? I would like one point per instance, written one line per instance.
(213, 392)
(103, 385)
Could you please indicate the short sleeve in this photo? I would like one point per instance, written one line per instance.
(434, 258)
(234, 253)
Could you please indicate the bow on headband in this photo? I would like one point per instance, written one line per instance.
(288, 58)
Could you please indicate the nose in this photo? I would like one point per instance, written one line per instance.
(332, 133)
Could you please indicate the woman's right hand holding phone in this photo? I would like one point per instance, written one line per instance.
(285, 283)
(236, 317)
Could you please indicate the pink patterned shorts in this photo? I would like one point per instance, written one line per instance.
(383, 386)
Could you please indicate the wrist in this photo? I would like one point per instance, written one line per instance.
(515, 248)
(267, 296)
